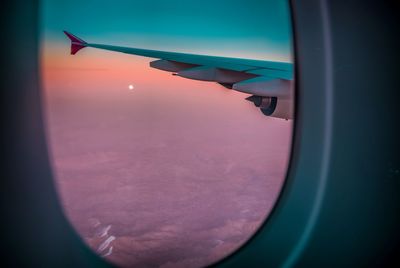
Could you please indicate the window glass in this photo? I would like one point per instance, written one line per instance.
(160, 170)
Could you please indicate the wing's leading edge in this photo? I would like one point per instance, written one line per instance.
(270, 82)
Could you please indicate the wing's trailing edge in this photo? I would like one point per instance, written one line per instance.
(270, 82)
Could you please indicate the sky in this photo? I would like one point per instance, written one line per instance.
(155, 170)
(236, 28)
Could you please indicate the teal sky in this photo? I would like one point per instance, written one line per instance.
(257, 29)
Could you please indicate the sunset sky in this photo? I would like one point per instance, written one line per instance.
(172, 172)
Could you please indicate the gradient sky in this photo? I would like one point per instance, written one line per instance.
(176, 172)
(237, 28)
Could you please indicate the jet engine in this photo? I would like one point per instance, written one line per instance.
(267, 105)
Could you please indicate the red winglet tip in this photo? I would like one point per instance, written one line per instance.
(76, 43)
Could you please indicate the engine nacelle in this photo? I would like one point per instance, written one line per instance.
(273, 106)
(267, 105)
(222, 76)
(265, 86)
(171, 66)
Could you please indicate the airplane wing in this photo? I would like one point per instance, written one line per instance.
(269, 82)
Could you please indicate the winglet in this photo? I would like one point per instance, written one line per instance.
(76, 43)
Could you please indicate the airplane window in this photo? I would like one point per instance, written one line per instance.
(169, 123)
